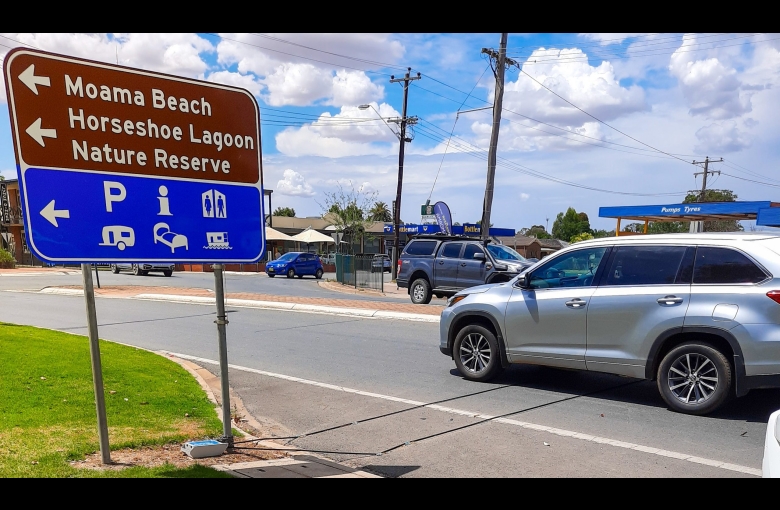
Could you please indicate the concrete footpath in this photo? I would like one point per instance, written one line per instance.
(326, 305)
(302, 464)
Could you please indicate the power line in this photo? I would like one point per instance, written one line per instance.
(599, 120)
(453, 131)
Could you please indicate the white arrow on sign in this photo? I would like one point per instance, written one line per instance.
(51, 214)
(38, 133)
(28, 78)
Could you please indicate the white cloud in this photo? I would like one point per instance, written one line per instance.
(262, 54)
(606, 39)
(244, 81)
(594, 89)
(354, 88)
(304, 84)
(177, 54)
(294, 184)
(297, 84)
(348, 133)
(712, 89)
(524, 196)
(722, 137)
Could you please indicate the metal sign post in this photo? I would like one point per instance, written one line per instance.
(125, 165)
(222, 322)
(97, 370)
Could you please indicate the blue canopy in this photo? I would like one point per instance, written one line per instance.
(699, 211)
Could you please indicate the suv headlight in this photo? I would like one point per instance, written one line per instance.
(456, 299)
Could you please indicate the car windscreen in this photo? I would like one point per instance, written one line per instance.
(501, 252)
(288, 257)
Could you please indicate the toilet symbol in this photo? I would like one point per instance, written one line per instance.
(214, 204)
(164, 205)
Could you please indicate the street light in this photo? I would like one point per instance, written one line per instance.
(367, 106)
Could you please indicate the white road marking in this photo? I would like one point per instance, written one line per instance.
(265, 305)
(507, 421)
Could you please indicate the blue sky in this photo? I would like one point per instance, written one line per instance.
(661, 100)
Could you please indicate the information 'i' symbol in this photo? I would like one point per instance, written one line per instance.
(165, 209)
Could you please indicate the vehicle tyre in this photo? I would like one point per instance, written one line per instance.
(137, 270)
(420, 292)
(439, 295)
(114, 269)
(168, 273)
(271, 275)
(695, 378)
(318, 274)
(290, 273)
(299, 275)
(477, 354)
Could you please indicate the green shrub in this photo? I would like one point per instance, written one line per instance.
(6, 259)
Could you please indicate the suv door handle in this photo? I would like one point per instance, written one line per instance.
(576, 303)
(441, 262)
(669, 300)
(463, 264)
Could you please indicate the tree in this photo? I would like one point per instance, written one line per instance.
(603, 233)
(658, 227)
(285, 211)
(582, 237)
(716, 195)
(380, 212)
(570, 224)
(537, 231)
(479, 222)
(349, 211)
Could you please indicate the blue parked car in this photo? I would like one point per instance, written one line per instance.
(295, 264)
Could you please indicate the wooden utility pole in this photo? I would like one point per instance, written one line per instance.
(403, 138)
(499, 70)
(698, 226)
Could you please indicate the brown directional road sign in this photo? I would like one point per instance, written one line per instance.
(72, 113)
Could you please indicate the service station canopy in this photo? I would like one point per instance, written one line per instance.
(765, 213)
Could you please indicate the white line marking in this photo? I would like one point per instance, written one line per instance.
(507, 421)
(274, 305)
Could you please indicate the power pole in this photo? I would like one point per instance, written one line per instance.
(698, 226)
(404, 121)
(499, 70)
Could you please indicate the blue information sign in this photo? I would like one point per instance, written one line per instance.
(103, 217)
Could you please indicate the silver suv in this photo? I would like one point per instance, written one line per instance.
(699, 313)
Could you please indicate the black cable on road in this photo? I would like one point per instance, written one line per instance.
(438, 434)
(364, 420)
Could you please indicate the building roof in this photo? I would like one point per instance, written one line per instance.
(518, 240)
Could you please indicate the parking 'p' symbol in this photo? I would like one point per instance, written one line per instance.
(121, 194)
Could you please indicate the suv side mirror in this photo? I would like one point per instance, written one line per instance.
(523, 281)
(479, 256)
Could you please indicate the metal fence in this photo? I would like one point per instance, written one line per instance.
(362, 271)
(369, 272)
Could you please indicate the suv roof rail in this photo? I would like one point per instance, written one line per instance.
(451, 237)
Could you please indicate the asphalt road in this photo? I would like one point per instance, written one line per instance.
(258, 283)
(387, 360)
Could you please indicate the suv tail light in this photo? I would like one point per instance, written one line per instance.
(774, 295)
(399, 265)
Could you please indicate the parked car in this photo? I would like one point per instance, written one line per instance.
(295, 264)
(437, 265)
(143, 268)
(771, 464)
(330, 258)
(698, 313)
(381, 261)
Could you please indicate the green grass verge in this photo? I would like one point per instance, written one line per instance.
(47, 405)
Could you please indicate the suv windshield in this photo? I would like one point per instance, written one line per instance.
(501, 252)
